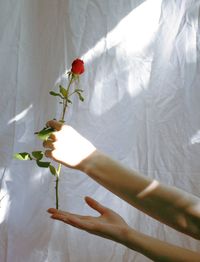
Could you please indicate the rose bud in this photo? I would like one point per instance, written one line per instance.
(77, 67)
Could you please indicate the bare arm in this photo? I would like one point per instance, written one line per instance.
(111, 226)
(159, 251)
(168, 205)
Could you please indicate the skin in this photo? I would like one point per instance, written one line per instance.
(168, 205)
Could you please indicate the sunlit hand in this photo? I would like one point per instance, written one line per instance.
(67, 146)
(108, 225)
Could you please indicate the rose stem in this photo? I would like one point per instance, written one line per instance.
(65, 103)
(57, 182)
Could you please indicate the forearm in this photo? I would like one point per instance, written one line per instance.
(158, 250)
(166, 204)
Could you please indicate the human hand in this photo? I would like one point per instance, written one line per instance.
(108, 225)
(67, 146)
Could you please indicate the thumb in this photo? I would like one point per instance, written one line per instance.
(95, 205)
(54, 124)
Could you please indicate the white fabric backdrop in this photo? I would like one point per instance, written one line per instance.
(141, 107)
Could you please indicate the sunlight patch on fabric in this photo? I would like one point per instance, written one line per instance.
(195, 139)
(3, 197)
(20, 115)
(132, 25)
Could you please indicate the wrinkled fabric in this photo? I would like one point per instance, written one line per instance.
(141, 89)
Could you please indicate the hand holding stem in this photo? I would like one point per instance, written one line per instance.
(76, 70)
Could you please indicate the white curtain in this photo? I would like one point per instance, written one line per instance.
(142, 93)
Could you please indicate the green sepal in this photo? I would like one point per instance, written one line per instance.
(38, 155)
(52, 170)
(80, 96)
(63, 91)
(23, 156)
(45, 133)
(43, 164)
(55, 94)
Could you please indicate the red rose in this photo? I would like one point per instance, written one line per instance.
(77, 67)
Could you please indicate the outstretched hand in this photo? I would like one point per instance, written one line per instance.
(108, 225)
(67, 146)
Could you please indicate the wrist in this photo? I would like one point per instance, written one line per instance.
(127, 236)
(89, 164)
(131, 238)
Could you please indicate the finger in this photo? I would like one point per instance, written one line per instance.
(79, 223)
(48, 144)
(95, 205)
(62, 218)
(58, 211)
(52, 137)
(52, 210)
(54, 124)
(74, 221)
(65, 214)
(48, 153)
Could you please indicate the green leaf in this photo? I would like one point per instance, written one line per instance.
(55, 94)
(52, 170)
(45, 133)
(43, 164)
(63, 91)
(80, 96)
(23, 156)
(79, 90)
(69, 101)
(37, 154)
